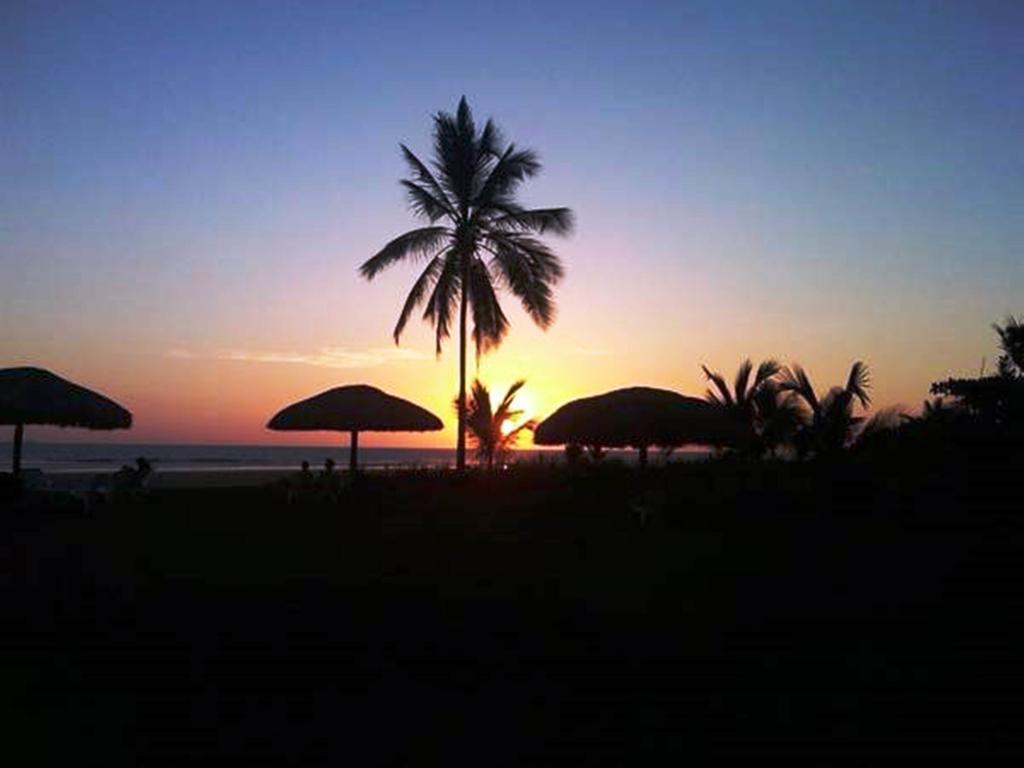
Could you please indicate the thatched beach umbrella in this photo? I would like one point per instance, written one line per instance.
(36, 396)
(357, 408)
(638, 417)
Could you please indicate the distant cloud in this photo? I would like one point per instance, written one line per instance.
(325, 357)
(589, 352)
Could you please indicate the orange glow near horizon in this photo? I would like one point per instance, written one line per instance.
(206, 395)
(198, 399)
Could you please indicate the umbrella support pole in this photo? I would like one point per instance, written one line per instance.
(643, 456)
(353, 450)
(19, 434)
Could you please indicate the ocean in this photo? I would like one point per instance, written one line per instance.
(108, 457)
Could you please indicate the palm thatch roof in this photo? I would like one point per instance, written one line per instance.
(356, 408)
(36, 396)
(637, 417)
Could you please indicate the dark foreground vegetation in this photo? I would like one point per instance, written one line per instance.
(863, 608)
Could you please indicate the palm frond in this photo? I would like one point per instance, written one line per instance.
(443, 300)
(529, 269)
(479, 422)
(489, 322)
(512, 168)
(724, 396)
(426, 194)
(1011, 344)
(419, 290)
(859, 382)
(768, 369)
(504, 409)
(557, 221)
(480, 400)
(416, 243)
(510, 438)
(455, 154)
(423, 203)
(490, 140)
(742, 378)
(712, 397)
(780, 416)
(796, 380)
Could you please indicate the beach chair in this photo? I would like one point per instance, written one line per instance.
(125, 485)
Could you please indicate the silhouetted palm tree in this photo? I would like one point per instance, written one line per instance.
(829, 424)
(769, 414)
(779, 418)
(479, 238)
(492, 429)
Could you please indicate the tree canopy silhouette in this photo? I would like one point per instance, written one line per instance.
(995, 400)
(761, 406)
(479, 239)
(829, 422)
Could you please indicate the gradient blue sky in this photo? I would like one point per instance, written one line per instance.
(186, 183)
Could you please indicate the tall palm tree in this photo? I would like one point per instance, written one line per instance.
(768, 414)
(829, 423)
(492, 429)
(479, 238)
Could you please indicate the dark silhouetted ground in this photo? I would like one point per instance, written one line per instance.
(847, 613)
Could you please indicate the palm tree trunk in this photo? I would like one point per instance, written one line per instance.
(460, 445)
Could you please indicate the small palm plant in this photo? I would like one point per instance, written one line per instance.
(829, 423)
(494, 431)
(767, 413)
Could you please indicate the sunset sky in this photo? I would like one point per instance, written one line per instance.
(189, 188)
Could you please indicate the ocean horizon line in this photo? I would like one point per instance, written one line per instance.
(83, 457)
